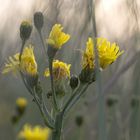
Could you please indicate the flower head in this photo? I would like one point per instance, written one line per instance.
(88, 55)
(57, 37)
(25, 30)
(107, 52)
(27, 65)
(36, 133)
(21, 102)
(60, 70)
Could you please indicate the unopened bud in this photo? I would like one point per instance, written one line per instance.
(74, 82)
(87, 76)
(79, 120)
(25, 30)
(135, 102)
(21, 104)
(38, 20)
(112, 100)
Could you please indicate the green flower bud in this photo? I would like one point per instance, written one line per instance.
(15, 119)
(112, 100)
(87, 76)
(134, 102)
(74, 81)
(60, 89)
(79, 121)
(38, 20)
(25, 30)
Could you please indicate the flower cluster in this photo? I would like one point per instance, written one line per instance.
(59, 72)
(34, 133)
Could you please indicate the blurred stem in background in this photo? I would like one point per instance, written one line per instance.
(135, 101)
(102, 135)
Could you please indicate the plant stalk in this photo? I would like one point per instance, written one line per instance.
(52, 86)
(56, 134)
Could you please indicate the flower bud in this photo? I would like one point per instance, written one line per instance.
(60, 89)
(79, 120)
(25, 30)
(15, 118)
(112, 100)
(87, 76)
(74, 81)
(21, 104)
(38, 20)
(135, 102)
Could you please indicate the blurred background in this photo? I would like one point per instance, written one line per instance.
(116, 20)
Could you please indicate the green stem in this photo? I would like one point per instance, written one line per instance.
(74, 94)
(76, 98)
(48, 120)
(56, 134)
(21, 50)
(52, 86)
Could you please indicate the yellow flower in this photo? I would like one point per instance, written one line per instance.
(60, 70)
(36, 133)
(107, 52)
(27, 65)
(21, 102)
(88, 55)
(57, 38)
